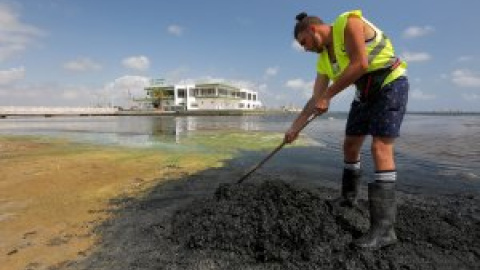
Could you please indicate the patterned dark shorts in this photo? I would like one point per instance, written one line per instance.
(381, 116)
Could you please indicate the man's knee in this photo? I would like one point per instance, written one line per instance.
(382, 145)
(382, 151)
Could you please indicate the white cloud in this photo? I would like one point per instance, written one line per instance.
(465, 78)
(300, 85)
(82, 64)
(416, 56)
(417, 31)
(420, 95)
(70, 94)
(116, 92)
(12, 75)
(270, 72)
(175, 30)
(122, 90)
(263, 88)
(134, 84)
(471, 97)
(136, 62)
(296, 46)
(47, 94)
(465, 58)
(15, 36)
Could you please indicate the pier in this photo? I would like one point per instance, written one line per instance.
(6, 111)
(25, 111)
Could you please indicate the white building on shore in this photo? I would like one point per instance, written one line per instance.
(203, 96)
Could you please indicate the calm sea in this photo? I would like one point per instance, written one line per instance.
(438, 153)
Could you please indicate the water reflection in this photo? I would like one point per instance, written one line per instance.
(126, 131)
(432, 148)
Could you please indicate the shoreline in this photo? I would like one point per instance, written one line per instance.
(151, 113)
(211, 113)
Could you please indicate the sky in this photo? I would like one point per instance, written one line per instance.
(98, 52)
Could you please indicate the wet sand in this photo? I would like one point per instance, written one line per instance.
(193, 216)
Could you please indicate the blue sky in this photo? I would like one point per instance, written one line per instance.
(85, 52)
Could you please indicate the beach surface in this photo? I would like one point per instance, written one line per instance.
(53, 193)
(67, 205)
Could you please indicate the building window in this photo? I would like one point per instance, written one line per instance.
(222, 92)
(204, 92)
(181, 93)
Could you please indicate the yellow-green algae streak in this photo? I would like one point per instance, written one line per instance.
(51, 190)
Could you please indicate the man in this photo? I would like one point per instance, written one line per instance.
(354, 51)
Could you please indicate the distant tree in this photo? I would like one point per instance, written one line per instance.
(158, 95)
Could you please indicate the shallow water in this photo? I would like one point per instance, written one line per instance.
(434, 151)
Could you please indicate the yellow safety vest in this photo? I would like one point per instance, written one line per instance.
(380, 52)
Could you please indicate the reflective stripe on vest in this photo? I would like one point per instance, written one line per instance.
(382, 44)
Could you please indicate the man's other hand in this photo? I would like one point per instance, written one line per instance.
(322, 105)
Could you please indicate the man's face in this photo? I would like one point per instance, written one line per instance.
(310, 41)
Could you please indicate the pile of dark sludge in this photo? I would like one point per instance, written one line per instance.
(277, 224)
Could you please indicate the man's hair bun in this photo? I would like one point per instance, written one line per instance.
(301, 16)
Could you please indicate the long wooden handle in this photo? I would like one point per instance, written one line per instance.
(254, 168)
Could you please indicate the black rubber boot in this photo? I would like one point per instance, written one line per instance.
(350, 188)
(383, 210)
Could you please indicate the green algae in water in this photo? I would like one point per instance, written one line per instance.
(227, 141)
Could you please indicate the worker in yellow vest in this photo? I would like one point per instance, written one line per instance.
(354, 51)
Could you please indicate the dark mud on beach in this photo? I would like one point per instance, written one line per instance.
(287, 227)
(271, 221)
